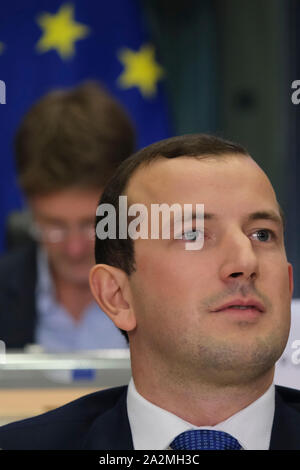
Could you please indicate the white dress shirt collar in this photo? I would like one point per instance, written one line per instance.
(154, 428)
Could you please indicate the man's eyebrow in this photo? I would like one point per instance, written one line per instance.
(258, 215)
(194, 216)
(49, 219)
(266, 215)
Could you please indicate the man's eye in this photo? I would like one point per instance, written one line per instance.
(192, 235)
(264, 235)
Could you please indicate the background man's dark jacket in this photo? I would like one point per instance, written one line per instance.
(100, 421)
(18, 277)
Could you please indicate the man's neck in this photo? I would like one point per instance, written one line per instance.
(201, 404)
(75, 297)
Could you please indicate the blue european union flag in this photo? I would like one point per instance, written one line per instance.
(54, 43)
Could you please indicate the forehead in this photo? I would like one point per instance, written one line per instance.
(69, 204)
(233, 182)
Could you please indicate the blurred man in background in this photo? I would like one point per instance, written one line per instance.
(67, 147)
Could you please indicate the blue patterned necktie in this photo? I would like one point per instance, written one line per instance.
(205, 439)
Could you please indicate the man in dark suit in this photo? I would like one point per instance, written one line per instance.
(206, 309)
(67, 147)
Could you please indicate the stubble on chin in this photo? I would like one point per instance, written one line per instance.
(237, 363)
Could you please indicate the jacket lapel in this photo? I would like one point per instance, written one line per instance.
(111, 430)
(286, 426)
(17, 299)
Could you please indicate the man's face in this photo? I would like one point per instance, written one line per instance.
(222, 311)
(66, 223)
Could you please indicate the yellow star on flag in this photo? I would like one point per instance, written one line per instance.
(140, 70)
(60, 31)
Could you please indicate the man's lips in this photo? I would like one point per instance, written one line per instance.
(245, 304)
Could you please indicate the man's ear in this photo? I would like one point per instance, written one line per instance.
(111, 290)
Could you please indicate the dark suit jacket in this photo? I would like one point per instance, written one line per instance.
(99, 421)
(18, 276)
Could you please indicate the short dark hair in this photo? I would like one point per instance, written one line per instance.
(72, 138)
(120, 252)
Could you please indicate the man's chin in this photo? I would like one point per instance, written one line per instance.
(75, 274)
(244, 361)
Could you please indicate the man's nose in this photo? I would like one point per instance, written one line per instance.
(76, 245)
(239, 259)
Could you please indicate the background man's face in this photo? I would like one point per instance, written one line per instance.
(179, 295)
(66, 220)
